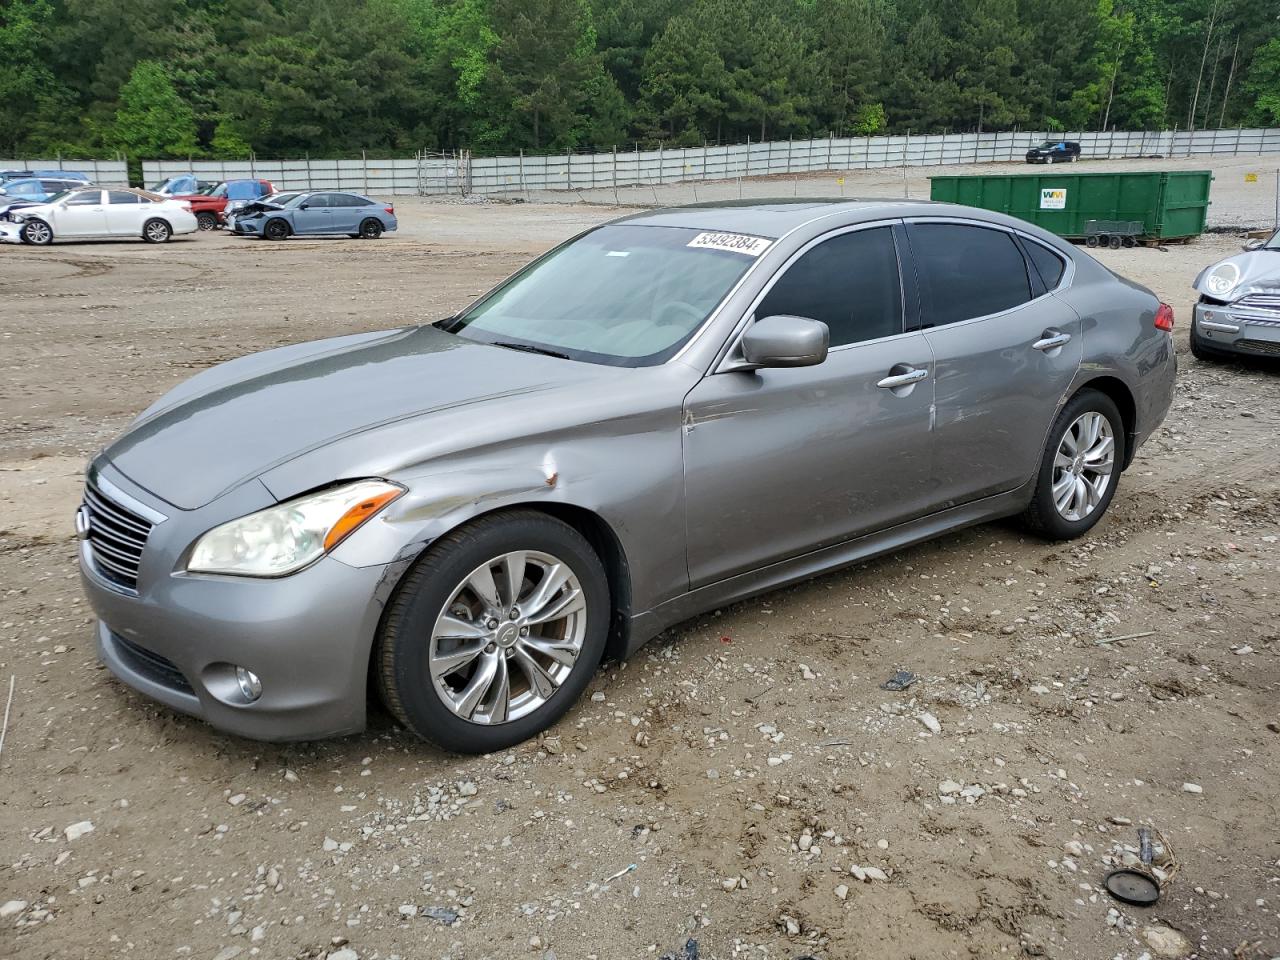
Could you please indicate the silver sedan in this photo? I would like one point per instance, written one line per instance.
(668, 413)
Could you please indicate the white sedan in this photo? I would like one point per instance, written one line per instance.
(94, 213)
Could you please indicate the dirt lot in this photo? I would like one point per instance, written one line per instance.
(774, 801)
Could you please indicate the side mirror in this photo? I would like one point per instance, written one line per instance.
(1254, 244)
(303, 206)
(782, 341)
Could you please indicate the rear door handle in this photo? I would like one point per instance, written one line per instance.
(913, 375)
(1052, 340)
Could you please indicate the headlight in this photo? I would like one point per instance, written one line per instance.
(1222, 279)
(285, 538)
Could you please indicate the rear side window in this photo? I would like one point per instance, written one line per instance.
(849, 282)
(1049, 265)
(121, 196)
(968, 271)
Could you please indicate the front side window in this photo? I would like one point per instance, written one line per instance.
(624, 294)
(968, 271)
(89, 198)
(849, 282)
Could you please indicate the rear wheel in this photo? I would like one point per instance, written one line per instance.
(1115, 242)
(276, 229)
(206, 220)
(370, 228)
(156, 231)
(495, 633)
(36, 232)
(1080, 468)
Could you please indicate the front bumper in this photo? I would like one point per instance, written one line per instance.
(1237, 330)
(250, 228)
(10, 232)
(178, 637)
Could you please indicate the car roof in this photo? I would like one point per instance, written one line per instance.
(775, 218)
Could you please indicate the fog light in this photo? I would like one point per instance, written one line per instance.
(250, 685)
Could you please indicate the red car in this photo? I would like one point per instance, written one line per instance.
(210, 204)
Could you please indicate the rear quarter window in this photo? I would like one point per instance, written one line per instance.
(1050, 265)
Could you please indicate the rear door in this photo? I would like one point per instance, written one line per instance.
(314, 214)
(780, 462)
(124, 213)
(1006, 351)
(82, 214)
(348, 210)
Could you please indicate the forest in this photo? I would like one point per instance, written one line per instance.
(325, 78)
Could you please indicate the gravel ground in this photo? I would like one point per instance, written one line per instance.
(744, 782)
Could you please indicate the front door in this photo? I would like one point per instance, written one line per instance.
(780, 462)
(1006, 353)
(82, 214)
(314, 215)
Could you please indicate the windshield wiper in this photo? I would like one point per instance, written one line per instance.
(530, 348)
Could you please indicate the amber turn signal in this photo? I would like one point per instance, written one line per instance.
(357, 515)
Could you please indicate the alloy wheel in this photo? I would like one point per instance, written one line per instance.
(157, 232)
(1083, 466)
(37, 232)
(508, 637)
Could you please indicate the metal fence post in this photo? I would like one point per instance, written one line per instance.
(364, 162)
(523, 189)
(615, 174)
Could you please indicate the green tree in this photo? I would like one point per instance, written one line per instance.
(153, 121)
(1263, 85)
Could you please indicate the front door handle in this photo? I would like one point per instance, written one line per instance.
(1051, 340)
(895, 380)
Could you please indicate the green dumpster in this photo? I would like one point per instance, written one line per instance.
(1171, 205)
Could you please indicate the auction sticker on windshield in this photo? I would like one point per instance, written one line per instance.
(731, 243)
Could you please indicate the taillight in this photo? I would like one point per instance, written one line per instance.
(390, 210)
(1164, 318)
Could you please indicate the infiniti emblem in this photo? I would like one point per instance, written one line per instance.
(82, 523)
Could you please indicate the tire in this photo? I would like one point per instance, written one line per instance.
(156, 231)
(1049, 159)
(1202, 351)
(370, 228)
(440, 583)
(1043, 515)
(206, 220)
(1115, 243)
(1091, 240)
(276, 229)
(1075, 158)
(37, 233)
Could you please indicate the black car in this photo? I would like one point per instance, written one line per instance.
(1054, 151)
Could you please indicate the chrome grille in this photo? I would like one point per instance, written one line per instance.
(1266, 302)
(116, 537)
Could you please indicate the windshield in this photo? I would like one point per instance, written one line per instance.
(1048, 144)
(215, 190)
(625, 295)
(1273, 243)
(60, 195)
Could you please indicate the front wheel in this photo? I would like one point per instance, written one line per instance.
(276, 229)
(1205, 353)
(494, 633)
(1080, 468)
(370, 229)
(36, 232)
(156, 231)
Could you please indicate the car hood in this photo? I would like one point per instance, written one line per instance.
(1258, 272)
(238, 420)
